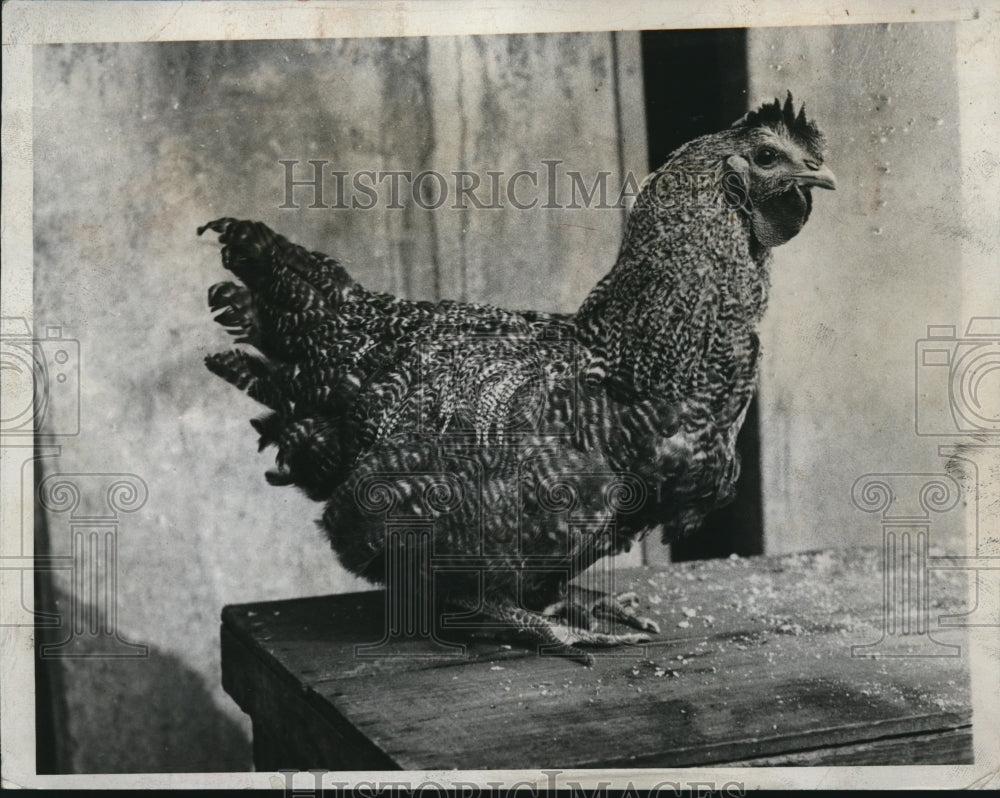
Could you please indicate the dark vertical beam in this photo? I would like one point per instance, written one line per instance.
(695, 83)
(51, 741)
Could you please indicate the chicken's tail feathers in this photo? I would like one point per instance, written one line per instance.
(268, 428)
(218, 225)
(286, 274)
(249, 373)
(311, 452)
(246, 248)
(233, 307)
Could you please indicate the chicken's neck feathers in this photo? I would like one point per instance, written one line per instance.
(676, 316)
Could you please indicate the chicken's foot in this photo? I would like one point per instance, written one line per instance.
(578, 610)
(622, 608)
(554, 637)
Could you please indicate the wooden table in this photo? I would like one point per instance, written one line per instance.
(760, 661)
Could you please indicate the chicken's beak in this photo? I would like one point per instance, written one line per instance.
(816, 175)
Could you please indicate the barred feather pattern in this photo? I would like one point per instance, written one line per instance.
(364, 384)
(524, 437)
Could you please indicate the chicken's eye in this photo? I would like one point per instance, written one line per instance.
(765, 156)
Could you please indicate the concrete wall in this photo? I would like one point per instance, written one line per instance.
(879, 260)
(136, 145)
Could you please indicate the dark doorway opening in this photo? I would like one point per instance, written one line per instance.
(695, 83)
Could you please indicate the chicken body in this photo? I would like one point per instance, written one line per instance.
(526, 446)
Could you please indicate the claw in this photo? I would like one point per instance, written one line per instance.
(622, 608)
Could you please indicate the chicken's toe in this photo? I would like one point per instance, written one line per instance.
(622, 608)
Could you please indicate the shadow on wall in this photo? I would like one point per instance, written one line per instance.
(157, 692)
(107, 701)
(143, 704)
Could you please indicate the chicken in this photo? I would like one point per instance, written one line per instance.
(524, 446)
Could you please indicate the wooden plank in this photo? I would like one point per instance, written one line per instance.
(298, 731)
(944, 748)
(754, 662)
(620, 713)
(316, 639)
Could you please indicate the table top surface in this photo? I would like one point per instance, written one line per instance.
(757, 659)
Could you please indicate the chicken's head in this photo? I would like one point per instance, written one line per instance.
(777, 162)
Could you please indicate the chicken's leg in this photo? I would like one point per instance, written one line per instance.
(554, 637)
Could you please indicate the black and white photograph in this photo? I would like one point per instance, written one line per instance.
(414, 396)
